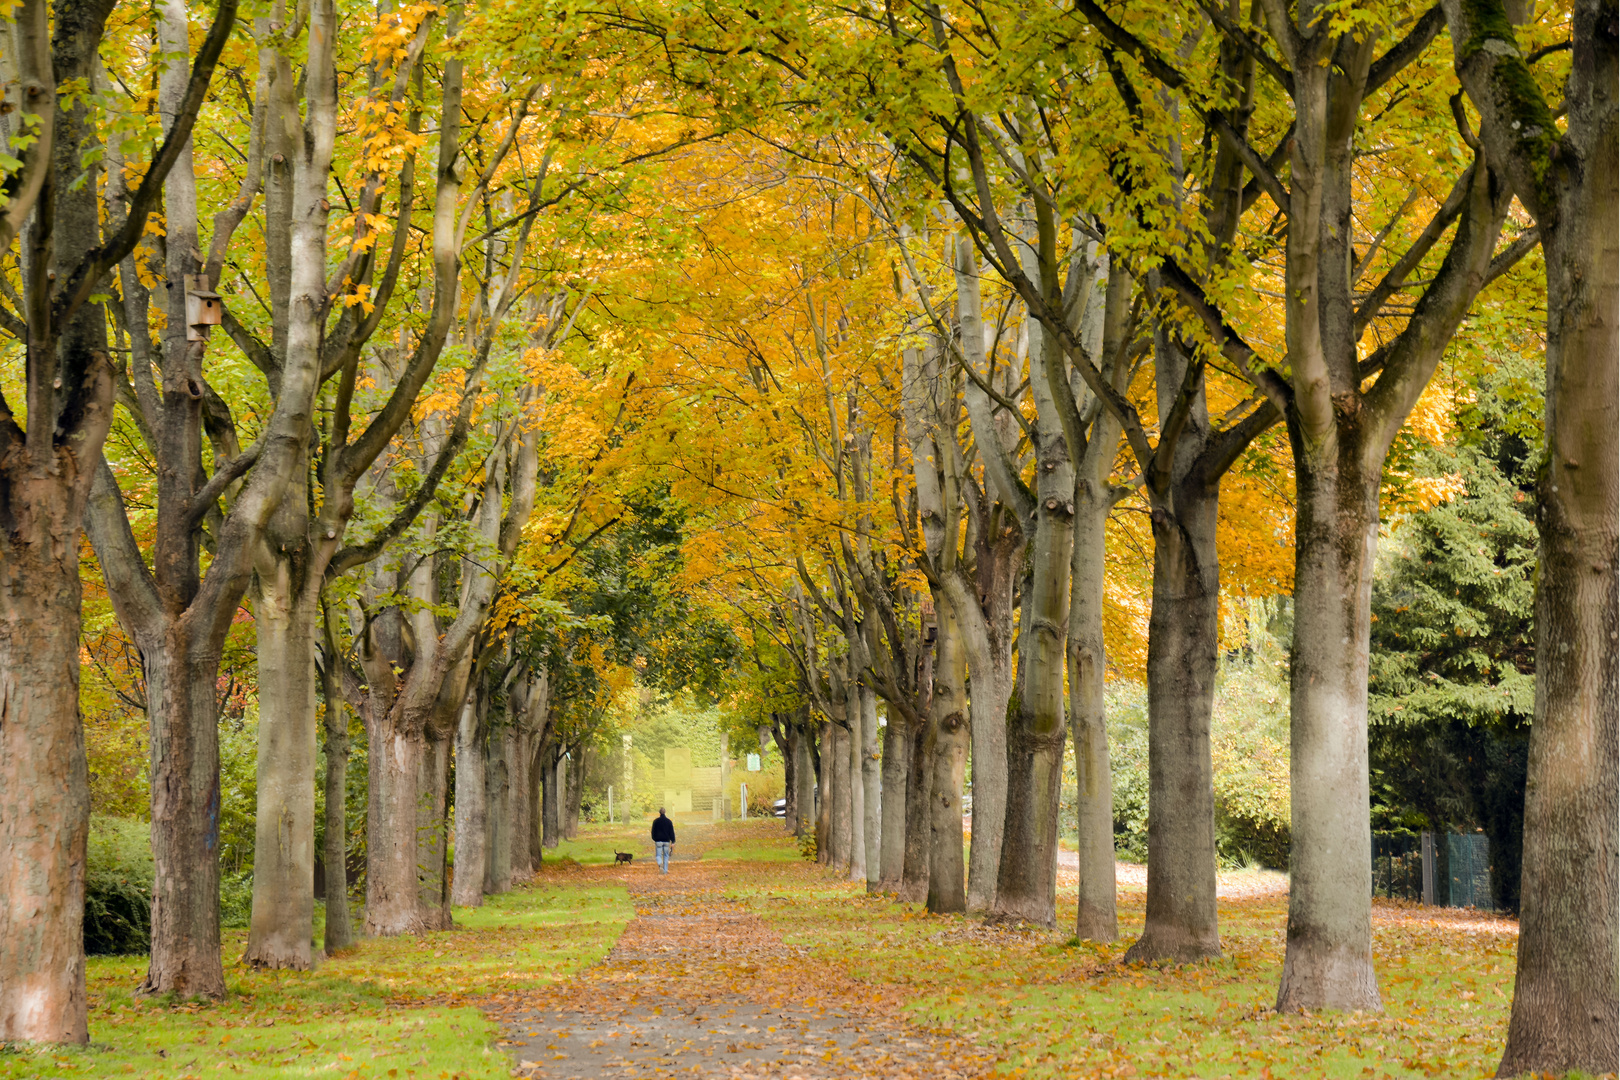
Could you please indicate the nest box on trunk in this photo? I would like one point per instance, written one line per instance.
(203, 308)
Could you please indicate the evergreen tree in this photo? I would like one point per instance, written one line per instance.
(1452, 679)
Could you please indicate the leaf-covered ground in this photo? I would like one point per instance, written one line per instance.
(743, 938)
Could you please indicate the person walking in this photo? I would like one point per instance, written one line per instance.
(663, 834)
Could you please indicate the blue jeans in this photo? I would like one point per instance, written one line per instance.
(661, 848)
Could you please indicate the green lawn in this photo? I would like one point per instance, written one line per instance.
(387, 1008)
(1047, 1006)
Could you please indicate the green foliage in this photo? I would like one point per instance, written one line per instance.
(1249, 747)
(236, 898)
(118, 887)
(1128, 758)
(238, 791)
(1452, 675)
(1452, 604)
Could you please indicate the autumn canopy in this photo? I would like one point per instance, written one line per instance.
(1179, 430)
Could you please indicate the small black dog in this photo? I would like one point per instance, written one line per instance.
(622, 857)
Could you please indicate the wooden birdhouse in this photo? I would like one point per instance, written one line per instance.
(203, 307)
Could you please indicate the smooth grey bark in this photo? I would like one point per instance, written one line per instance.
(178, 615)
(416, 714)
(929, 408)
(1342, 413)
(473, 799)
(1096, 914)
(432, 829)
(1096, 917)
(285, 613)
(824, 789)
(979, 579)
(835, 759)
(804, 776)
(919, 814)
(339, 924)
(982, 592)
(1340, 435)
(576, 792)
(1026, 881)
(1566, 1000)
(536, 799)
(302, 544)
(892, 842)
(986, 628)
(1183, 638)
(949, 735)
(498, 815)
(854, 702)
(550, 804)
(872, 790)
(529, 704)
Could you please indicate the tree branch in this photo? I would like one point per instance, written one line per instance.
(95, 264)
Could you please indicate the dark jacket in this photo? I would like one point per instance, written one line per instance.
(663, 829)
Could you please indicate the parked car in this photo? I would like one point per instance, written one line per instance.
(779, 808)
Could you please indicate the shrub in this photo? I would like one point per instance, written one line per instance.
(235, 898)
(1249, 747)
(118, 887)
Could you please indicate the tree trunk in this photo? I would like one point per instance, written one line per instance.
(787, 744)
(835, 760)
(1097, 918)
(855, 747)
(987, 634)
(896, 766)
(394, 762)
(534, 776)
(1183, 636)
(1566, 999)
(824, 789)
(989, 814)
(185, 821)
(1026, 877)
(498, 816)
(551, 802)
(44, 782)
(725, 776)
(45, 479)
(948, 738)
(919, 814)
(432, 819)
(872, 782)
(339, 929)
(804, 778)
(473, 799)
(1026, 885)
(1328, 963)
(521, 751)
(576, 793)
(285, 616)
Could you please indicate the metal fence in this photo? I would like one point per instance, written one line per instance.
(1443, 869)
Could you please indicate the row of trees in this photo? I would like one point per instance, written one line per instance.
(379, 436)
(1199, 224)
(970, 342)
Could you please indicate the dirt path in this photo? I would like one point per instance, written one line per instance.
(698, 985)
